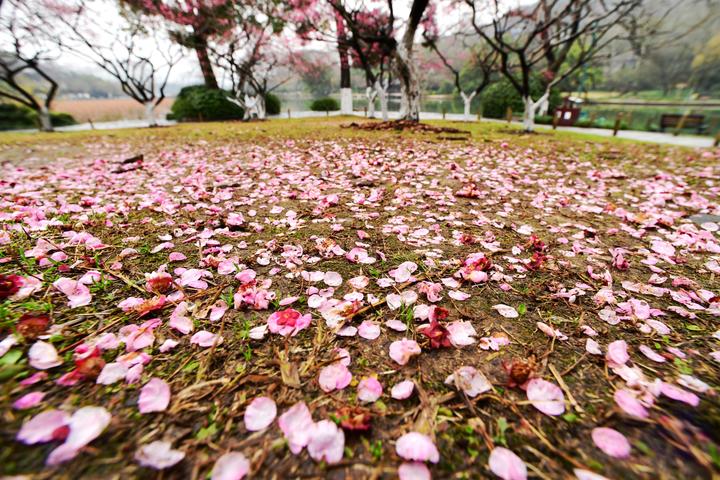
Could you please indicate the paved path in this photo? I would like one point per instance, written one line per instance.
(652, 137)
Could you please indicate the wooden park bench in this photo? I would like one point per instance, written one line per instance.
(679, 121)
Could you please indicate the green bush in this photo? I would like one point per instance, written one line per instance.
(14, 117)
(544, 119)
(501, 94)
(62, 119)
(199, 103)
(325, 105)
(272, 104)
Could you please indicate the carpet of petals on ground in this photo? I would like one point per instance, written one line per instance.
(368, 307)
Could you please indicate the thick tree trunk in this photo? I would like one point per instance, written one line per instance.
(150, 114)
(531, 109)
(409, 84)
(371, 94)
(346, 101)
(467, 101)
(45, 121)
(205, 65)
(382, 92)
(529, 114)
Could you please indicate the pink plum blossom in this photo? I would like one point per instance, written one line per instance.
(288, 322)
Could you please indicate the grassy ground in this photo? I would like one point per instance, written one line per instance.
(582, 197)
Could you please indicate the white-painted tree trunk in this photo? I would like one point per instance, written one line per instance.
(382, 91)
(409, 84)
(150, 114)
(544, 105)
(45, 121)
(530, 110)
(371, 95)
(346, 101)
(254, 106)
(467, 101)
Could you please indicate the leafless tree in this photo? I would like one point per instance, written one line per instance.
(23, 54)
(483, 59)
(131, 48)
(539, 39)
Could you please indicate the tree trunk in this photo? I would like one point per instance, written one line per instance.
(371, 94)
(382, 92)
(409, 84)
(150, 114)
(529, 114)
(205, 65)
(260, 107)
(45, 121)
(467, 101)
(346, 100)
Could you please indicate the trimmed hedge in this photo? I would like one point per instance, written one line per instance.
(325, 105)
(199, 103)
(15, 117)
(272, 104)
(501, 94)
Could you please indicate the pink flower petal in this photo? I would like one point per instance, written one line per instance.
(112, 372)
(369, 330)
(260, 414)
(617, 353)
(369, 390)
(327, 442)
(414, 471)
(230, 466)
(85, 426)
(154, 396)
(29, 400)
(417, 447)
(158, 455)
(506, 311)
(402, 390)
(402, 350)
(334, 377)
(41, 428)
(611, 442)
(206, 339)
(469, 380)
(627, 401)
(677, 393)
(546, 397)
(296, 424)
(506, 465)
(42, 355)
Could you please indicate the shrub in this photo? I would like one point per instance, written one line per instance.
(14, 117)
(326, 104)
(272, 104)
(199, 103)
(544, 119)
(501, 94)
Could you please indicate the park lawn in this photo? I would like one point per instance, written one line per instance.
(583, 240)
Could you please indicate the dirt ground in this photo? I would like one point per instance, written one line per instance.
(586, 244)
